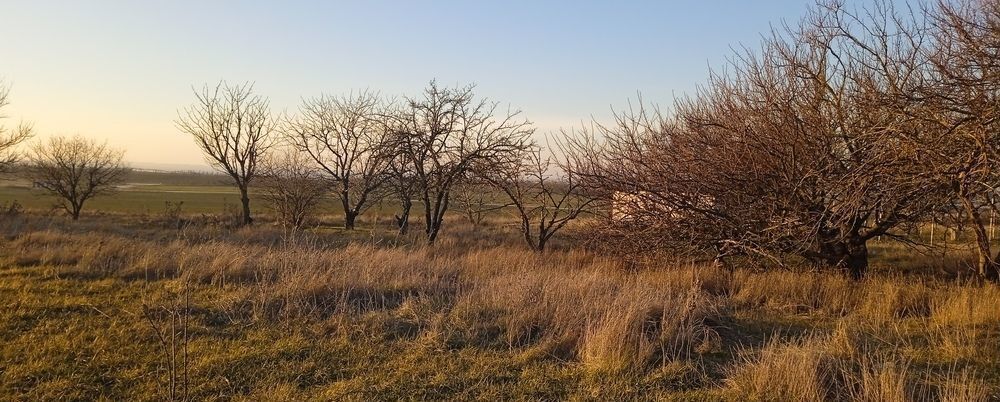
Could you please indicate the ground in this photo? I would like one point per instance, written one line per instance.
(126, 305)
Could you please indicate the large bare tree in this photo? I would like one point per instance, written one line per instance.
(234, 127)
(10, 138)
(444, 133)
(75, 170)
(349, 138)
(798, 149)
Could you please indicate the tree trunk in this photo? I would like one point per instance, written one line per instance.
(427, 214)
(851, 256)
(349, 218)
(433, 229)
(350, 215)
(526, 231)
(75, 212)
(856, 261)
(403, 219)
(542, 240)
(436, 219)
(986, 265)
(245, 200)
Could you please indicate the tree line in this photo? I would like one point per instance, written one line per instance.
(364, 149)
(361, 148)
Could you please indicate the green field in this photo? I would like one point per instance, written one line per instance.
(144, 198)
(146, 192)
(143, 192)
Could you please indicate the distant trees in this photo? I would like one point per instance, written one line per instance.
(75, 170)
(366, 148)
(350, 139)
(442, 134)
(543, 195)
(10, 138)
(475, 198)
(234, 127)
(403, 186)
(292, 186)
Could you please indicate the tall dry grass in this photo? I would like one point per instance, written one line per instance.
(874, 341)
(816, 368)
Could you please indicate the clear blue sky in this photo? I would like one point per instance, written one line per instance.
(119, 70)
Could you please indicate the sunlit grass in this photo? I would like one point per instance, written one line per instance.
(330, 315)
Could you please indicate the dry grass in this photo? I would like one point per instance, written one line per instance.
(389, 318)
(784, 372)
(960, 386)
(816, 368)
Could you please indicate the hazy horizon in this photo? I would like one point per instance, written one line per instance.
(118, 71)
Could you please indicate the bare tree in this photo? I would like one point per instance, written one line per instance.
(10, 138)
(444, 133)
(403, 185)
(292, 186)
(961, 105)
(350, 140)
(544, 196)
(75, 170)
(475, 197)
(800, 149)
(234, 128)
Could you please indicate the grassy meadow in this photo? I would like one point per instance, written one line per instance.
(144, 192)
(127, 304)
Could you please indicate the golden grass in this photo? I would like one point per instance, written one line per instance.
(783, 372)
(816, 368)
(489, 322)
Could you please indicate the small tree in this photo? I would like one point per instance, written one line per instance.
(475, 198)
(76, 170)
(10, 138)
(545, 196)
(349, 139)
(234, 128)
(447, 131)
(402, 185)
(292, 187)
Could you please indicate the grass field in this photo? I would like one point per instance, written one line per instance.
(143, 192)
(332, 315)
(148, 193)
(134, 199)
(125, 305)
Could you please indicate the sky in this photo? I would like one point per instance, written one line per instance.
(119, 70)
